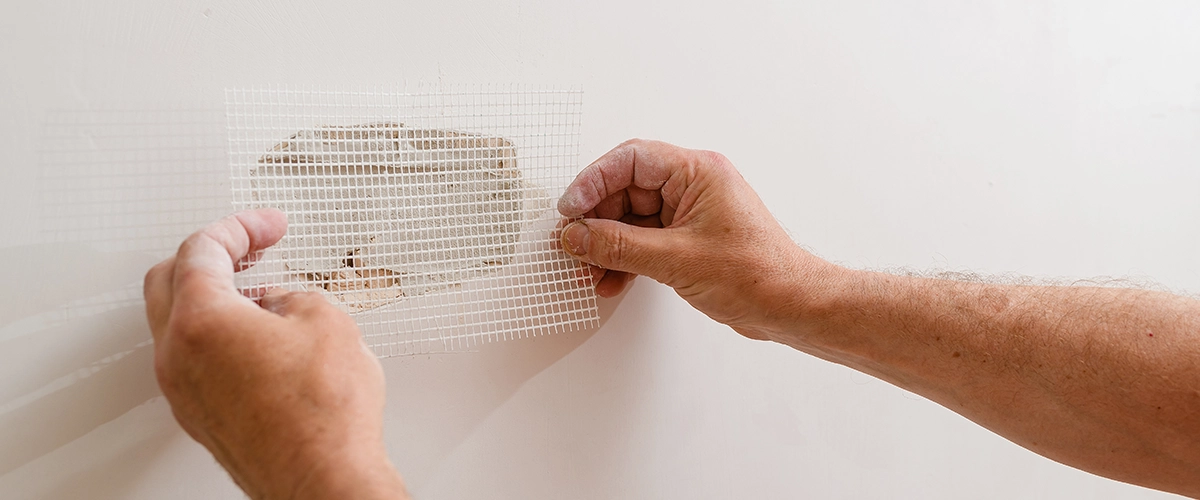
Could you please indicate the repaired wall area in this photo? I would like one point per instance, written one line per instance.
(1039, 137)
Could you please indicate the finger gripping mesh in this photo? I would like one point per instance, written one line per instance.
(428, 215)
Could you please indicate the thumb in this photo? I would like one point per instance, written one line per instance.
(618, 246)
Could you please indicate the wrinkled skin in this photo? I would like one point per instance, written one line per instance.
(687, 219)
(283, 393)
(287, 398)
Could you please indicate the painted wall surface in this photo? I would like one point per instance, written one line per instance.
(1038, 137)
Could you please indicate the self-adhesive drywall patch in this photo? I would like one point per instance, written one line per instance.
(428, 214)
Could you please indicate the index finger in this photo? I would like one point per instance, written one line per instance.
(646, 165)
(206, 259)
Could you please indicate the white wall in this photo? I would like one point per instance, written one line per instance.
(1043, 137)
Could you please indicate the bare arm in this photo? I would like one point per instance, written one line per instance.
(1107, 380)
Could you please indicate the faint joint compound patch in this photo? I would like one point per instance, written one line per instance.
(382, 211)
(426, 212)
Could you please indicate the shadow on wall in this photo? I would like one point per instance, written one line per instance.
(435, 402)
(117, 189)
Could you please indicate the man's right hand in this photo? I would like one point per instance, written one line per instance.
(688, 219)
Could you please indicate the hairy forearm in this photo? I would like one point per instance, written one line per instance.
(1104, 379)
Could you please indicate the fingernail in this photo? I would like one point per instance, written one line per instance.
(575, 238)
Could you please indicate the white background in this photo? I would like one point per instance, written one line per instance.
(1046, 138)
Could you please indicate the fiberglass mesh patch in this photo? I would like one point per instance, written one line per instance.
(427, 215)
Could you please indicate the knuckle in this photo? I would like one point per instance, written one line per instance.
(217, 229)
(194, 282)
(153, 274)
(598, 185)
(193, 326)
(218, 232)
(189, 275)
(193, 240)
(617, 247)
(631, 149)
(717, 160)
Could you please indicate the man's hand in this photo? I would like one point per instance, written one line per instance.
(285, 395)
(688, 219)
(1103, 379)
